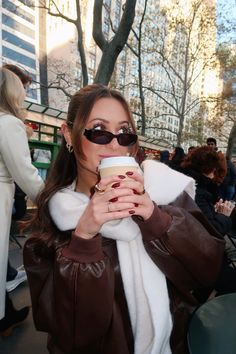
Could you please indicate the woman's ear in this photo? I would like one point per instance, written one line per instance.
(66, 133)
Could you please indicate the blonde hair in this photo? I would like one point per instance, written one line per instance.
(12, 94)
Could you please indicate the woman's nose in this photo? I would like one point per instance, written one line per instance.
(114, 144)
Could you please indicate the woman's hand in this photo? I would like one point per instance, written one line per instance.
(224, 208)
(105, 205)
(142, 204)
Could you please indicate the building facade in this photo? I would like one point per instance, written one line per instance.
(19, 38)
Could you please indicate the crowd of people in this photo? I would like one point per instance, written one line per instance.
(108, 255)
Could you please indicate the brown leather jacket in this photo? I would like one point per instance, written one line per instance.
(77, 292)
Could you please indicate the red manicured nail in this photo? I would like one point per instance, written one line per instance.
(129, 173)
(113, 200)
(136, 205)
(116, 185)
(131, 211)
(121, 177)
(135, 192)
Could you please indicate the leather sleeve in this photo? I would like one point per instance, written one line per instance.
(72, 290)
(190, 251)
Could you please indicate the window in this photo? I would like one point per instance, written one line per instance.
(8, 21)
(92, 61)
(116, 22)
(19, 58)
(29, 3)
(106, 29)
(118, 8)
(90, 78)
(32, 93)
(78, 74)
(11, 38)
(32, 90)
(107, 3)
(18, 11)
(122, 80)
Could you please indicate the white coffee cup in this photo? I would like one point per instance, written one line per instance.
(118, 165)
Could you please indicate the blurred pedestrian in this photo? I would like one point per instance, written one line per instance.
(164, 156)
(17, 276)
(177, 158)
(191, 148)
(42, 156)
(15, 165)
(227, 187)
(202, 164)
(211, 142)
(221, 171)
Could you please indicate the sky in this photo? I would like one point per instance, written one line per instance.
(226, 10)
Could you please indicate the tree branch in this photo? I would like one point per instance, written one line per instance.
(56, 14)
(97, 25)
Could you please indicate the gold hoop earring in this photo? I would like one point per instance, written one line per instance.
(69, 148)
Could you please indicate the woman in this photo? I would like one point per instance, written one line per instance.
(15, 165)
(17, 276)
(176, 159)
(202, 164)
(100, 261)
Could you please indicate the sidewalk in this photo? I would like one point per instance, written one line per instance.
(24, 339)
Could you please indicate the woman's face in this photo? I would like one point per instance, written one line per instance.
(107, 114)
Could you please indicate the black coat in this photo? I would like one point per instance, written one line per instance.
(206, 192)
(230, 178)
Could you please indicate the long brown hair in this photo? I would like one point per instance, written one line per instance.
(64, 169)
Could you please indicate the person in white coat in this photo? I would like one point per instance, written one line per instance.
(15, 165)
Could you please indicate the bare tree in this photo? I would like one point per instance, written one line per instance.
(178, 48)
(136, 47)
(110, 48)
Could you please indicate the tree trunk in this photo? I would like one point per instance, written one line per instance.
(180, 132)
(80, 45)
(43, 59)
(111, 50)
(231, 140)
(106, 65)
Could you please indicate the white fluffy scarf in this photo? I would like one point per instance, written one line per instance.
(144, 284)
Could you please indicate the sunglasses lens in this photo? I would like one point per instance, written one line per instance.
(103, 137)
(100, 137)
(127, 139)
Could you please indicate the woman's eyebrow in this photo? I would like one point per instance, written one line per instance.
(102, 119)
(124, 122)
(107, 121)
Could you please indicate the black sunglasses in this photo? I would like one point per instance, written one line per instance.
(103, 137)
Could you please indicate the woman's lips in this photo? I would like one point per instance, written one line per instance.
(104, 156)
